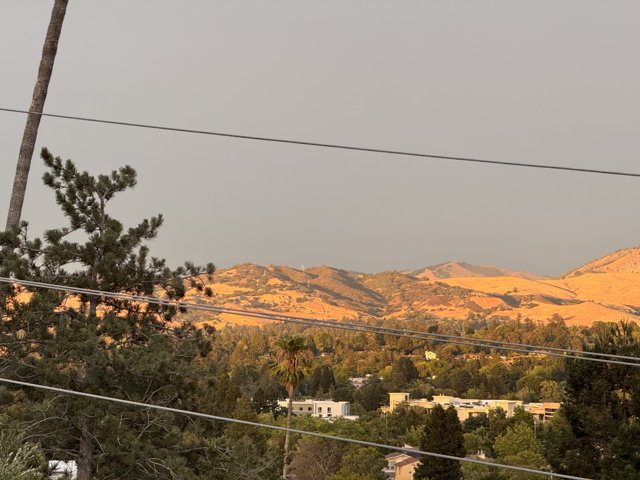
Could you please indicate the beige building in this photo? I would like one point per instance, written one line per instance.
(405, 469)
(396, 399)
(400, 466)
(542, 412)
(466, 408)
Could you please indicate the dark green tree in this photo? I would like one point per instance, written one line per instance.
(244, 411)
(371, 395)
(622, 460)
(519, 446)
(97, 343)
(498, 422)
(343, 391)
(474, 422)
(316, 458)
(361, 462)
(442, 433)
(320, 382)
(267, 402)
(395, 428)
(602, 403)
(403, 371)
(224, 458)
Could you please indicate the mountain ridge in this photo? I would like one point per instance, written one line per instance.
(453, 269)
(607, 289)
(624, 260)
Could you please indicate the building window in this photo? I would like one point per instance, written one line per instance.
(328, 409)
(309, 408)
(319, 409)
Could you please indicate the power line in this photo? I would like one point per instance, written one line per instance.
(444, 338)
(451, 339)
(277, 427)
(467, 341)
(326, 145)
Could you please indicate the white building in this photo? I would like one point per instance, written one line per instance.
(329, 409)
(319, 408)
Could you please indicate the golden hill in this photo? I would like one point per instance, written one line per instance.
(463, 269)
(606, 289)
(626, 260)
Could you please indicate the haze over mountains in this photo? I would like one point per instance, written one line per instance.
(462, 269)
(606, 289)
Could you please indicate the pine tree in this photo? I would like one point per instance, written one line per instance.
(403, 372)
(442, 433)
(101, 345)
(602, 403)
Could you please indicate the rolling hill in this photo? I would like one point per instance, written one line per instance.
(463, 269)
(626, 260)
(606, 289)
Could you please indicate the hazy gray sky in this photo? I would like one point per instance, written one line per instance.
(530, 81)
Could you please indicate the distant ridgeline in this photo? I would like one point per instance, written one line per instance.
(607, 289)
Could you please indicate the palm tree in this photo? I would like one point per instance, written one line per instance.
(293, 359)
(30, 134)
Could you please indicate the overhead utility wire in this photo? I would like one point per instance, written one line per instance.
(523, 348)
(401, 332)
(452, 339)
(207, 416)
(325, 145)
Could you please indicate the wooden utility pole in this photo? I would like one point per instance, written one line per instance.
(33, 119)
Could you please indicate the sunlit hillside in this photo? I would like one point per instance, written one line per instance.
(463, 269)
(607, 289)
(626, 260)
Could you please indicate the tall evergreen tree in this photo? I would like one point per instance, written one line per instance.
(403, 371)
(601, 407)
(442, 433)
(101, 345)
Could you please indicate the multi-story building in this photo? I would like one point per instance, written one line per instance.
(542, 411)
(319, 408)
(466, 408)
(400, 466)
(405, 469)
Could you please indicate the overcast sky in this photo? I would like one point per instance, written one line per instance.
(530, 81)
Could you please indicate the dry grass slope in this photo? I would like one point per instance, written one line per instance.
(606, 289)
